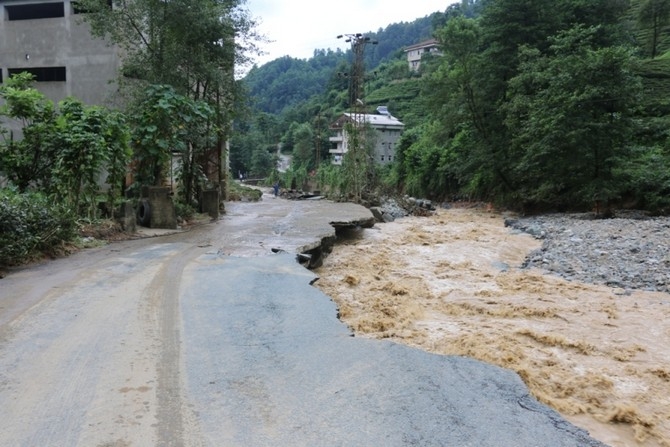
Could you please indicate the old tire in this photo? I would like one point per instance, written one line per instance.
(144, 213)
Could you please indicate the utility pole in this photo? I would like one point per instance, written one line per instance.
(357, 75)
(357, 106)
(318, 140)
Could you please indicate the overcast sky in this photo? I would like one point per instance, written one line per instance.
(298, 27)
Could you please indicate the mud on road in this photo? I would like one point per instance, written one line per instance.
(452, 284)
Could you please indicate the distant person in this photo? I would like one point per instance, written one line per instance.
(276, 188)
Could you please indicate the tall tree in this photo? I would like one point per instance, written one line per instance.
(504, 26)
(191, 45)
(571, 111)
(303, 149)
(508, 24)
(655, 16)
(27, 160)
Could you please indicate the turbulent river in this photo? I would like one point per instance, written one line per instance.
(453, 283)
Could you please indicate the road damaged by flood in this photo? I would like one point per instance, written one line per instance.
(216, 337)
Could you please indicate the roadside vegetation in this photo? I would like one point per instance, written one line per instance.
(31, 225)
(66, 166)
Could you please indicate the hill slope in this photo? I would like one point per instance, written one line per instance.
(287, 82)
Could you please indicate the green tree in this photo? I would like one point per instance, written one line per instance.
(269, 126)
(155, 134)
(358, 168)
(469, 93)
(571, 111)
(263, 162)
(303, 148)
(655, 16)
(198, 130)
(168, 124)
(190, 45)
(64, 152)
(27, 160)
(288, 139)
(93, 147)
(242, 145)
(505, 26)
(116, 134)
(464, 118)
(458, 81)
(82, 155)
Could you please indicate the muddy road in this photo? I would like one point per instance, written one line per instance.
(207, 338)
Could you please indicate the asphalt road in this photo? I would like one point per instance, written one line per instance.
(207, 338)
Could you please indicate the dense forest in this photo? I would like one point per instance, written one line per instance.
(534, 104)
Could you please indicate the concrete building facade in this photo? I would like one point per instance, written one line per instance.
(387, 131)
(417, 51)
(49, 39)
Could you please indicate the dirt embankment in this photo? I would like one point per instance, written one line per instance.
(452, 284)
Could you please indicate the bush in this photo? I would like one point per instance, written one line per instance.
(238, 192)
(31, 225)
(184, 210)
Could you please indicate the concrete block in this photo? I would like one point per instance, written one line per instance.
(156, 209)
(126, 216)
(210, 203)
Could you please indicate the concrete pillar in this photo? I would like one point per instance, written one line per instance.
(126, 217)
(156, 209)
(223, 196)
(210, 203)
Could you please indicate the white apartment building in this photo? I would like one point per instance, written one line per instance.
(387, 130)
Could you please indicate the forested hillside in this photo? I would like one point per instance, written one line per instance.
(538, 104)
(287, 82)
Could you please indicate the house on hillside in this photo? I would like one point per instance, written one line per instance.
(47, 39)
(417, 51)
(387, 131)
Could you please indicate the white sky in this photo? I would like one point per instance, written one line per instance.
(298, 27)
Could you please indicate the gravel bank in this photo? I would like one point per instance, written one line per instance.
(627, 252)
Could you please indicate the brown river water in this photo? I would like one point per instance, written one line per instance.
(452, 284)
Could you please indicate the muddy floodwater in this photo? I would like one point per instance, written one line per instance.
(452, 283)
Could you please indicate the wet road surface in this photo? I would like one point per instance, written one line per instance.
(207, 338)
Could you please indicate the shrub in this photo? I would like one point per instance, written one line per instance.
(184, 210)
(238, 192)
(31, 225)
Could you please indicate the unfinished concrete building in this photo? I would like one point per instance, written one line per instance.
(49, 39)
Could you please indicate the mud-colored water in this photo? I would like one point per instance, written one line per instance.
(451, 284)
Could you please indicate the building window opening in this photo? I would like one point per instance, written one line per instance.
(42, 74)
(35, 11)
